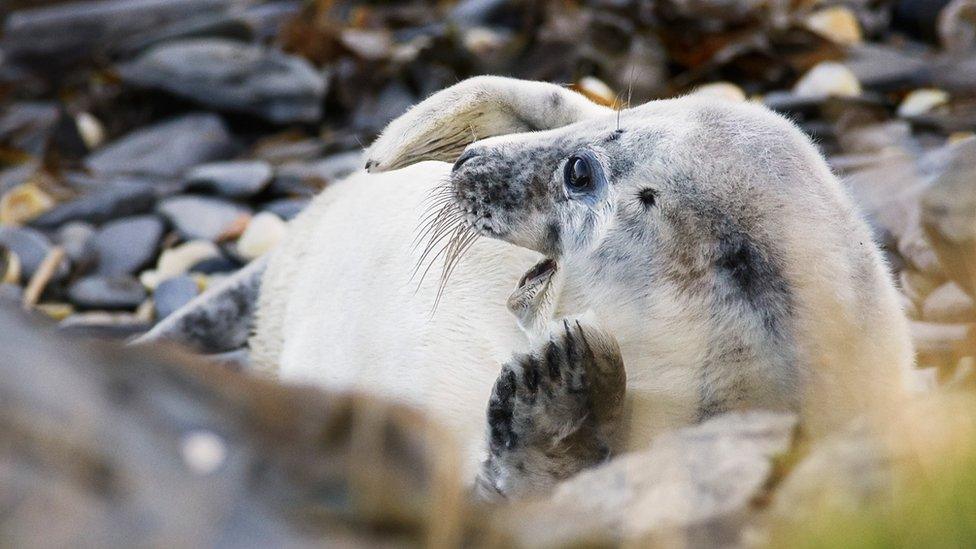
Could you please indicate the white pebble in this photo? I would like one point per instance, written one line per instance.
(178, 260)
(837, 24)
(203, 451)
(721, 90)
(828, 79)
(922, 101)
(90, 129)
(261, 235)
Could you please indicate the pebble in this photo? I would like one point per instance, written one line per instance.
(77, 239)
(115, 199)
(948, 303)
(917, 285)
(828, 79)
(240, 179)
(921, 101)
(9, 266)
(127, 245)
(173, 293)
(31, 247)
(166, 149)
(596, 90)
(70, 31)
(27, 127)
(938, 338)
(286, 208)
(107, 292)
(215, 265)
(23, 204)
(11, 294)
(837, 24)
(104, 325)
(235, 76)
(178, 260)
(55, 311)
(262, 234)
(201, 217)
(307, 178)
(90, 129)
(722, 90)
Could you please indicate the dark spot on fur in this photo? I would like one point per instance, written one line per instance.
(648, 197)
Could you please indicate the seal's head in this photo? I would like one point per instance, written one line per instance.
(706, 234)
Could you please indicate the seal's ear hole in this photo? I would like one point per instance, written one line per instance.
(647, 197)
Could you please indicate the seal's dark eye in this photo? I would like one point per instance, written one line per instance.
(578, 175)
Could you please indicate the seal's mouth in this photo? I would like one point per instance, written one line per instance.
(540, 273)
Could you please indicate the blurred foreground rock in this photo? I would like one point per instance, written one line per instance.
(111, 447)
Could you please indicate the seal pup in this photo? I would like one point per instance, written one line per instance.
(703, 246)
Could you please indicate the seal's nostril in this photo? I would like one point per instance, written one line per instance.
(467, 155)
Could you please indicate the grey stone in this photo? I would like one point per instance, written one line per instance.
(948, 303)
(217, 320)
(166, 149)
(78, 240)
(307, 178)
(115, 199)
(103, 325)
(373, 114)
(689, 482)
(239, 179)
(201, 217)
(71, 31)
(286, 208)
(173, 293)
(215, 265)
(884, 68)
(127, 245)
(107, 292)
(27, 127)
(235, 76)
(948, 212)
(31, 247)
(10, 295)
(229, 25)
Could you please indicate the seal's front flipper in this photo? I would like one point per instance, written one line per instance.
(553, 412)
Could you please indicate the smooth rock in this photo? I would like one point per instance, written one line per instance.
(166, 149)
(884, 68)
(11, 295)
(55, 311)
(957, 27)
(178, 260)
(828, 79)
(71, 31)
(24, 203)
(107, 292)
(115, 199)
(78, 240)
(949, 303)
(948, 212)
(261, 236)
(219, 319)
(231, 75)
(9, 266)
(238, 179)
(307, 178)
(939, 338)
(173, 293)
(27, 127)
(103, 325)
(373, 113)
(837, 24)
(721, 90)
(921, 101)
(127, 245)
(214, 265)
(286, 208)
(31, 247)
(90, 129)
(688, 482)
(200, 217)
